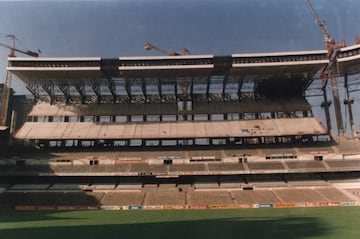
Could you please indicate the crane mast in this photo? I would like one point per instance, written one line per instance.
(321, 23)
(328, 71)
(8, 79)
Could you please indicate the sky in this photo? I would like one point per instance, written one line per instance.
(113, 28)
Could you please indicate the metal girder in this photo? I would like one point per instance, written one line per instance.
(34, 90)
(192, 89)
(160, 90)
(109, 67)
(240, 83)
(225, 79)
(128, 89)
(143, 88)
(176, 90)
(207, 88)
(337, 106)
(65, 89)
(112, 89)
(308, 82)
(49, 88)
(184, 89)
(351, 118)
(96, 89)
(81, 90)
(327, 112)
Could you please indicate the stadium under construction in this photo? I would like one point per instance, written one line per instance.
(184, 130)
(178, 129)
(175, 100)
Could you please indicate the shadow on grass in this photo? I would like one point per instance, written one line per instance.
(236, 227)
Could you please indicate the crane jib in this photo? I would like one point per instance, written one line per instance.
(30, 53)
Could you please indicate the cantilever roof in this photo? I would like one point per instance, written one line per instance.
(272, 65)
(279, 64)
(170, 130)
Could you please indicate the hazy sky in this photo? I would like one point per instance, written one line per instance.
(120, 28)
(113, 28)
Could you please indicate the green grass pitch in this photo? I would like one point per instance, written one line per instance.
(295, 223)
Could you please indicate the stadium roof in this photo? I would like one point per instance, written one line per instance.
(272, 65)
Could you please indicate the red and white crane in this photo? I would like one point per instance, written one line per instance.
(329, 70)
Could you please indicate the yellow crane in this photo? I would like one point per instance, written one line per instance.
(184, 51)
(148, 46)
(8, 79)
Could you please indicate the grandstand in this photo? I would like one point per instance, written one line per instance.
(194, 131)
(159, 101)
(152, 196)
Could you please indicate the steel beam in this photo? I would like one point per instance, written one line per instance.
(327, 112)
(96, 89)
(34, 90)
(349, 103)
(143, 88)
(207, 88)
(128, 89)
(160, 90)
(240, 83)
(112, 89)
(49, 88)
(337, 106)
(225, 79)
(192, 89)
(81, 90)
(65, 89)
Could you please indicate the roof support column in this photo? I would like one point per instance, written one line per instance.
(65, 89)
(349, 101)
(128, 89)
(176, 90)
(49, 88)
(81, 90)
(240, 83)
(184, 94)
(112, 89)
(327, 113)
(96, 89)
(208, 88)
(143, 88)
(337, 106)
(160, 90)
(223, 94)
(34, 90)
(192, 89)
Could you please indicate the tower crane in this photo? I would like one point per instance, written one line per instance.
(329, 41)
(148, 46)
(184, 86)
(7, 85)
(328, 72)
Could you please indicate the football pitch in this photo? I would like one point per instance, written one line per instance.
(295, 223)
